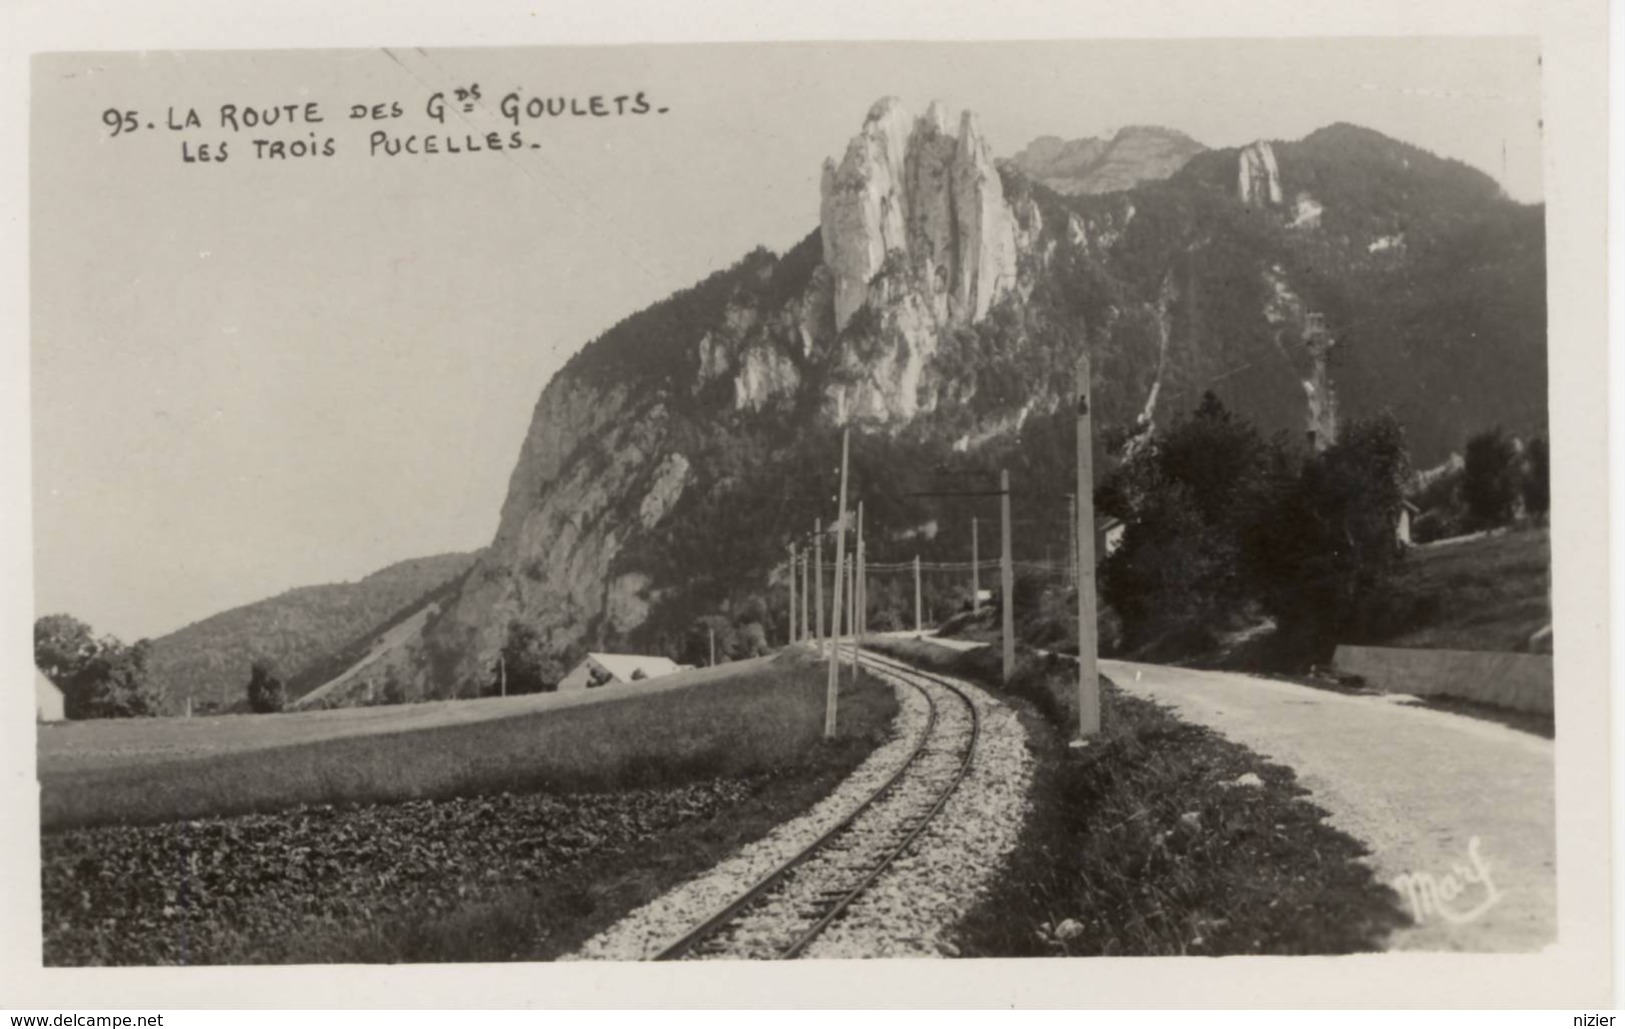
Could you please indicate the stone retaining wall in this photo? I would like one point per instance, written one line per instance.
(1521, 682)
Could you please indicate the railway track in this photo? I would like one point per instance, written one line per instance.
(785, 910)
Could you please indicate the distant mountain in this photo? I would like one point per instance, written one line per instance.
(301, 630)
(1136, 154)
(938, 310)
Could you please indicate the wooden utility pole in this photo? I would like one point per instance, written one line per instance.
(1088, 674)
(1007, 578)
(713, 645)
(1072, 540)
(818, 578)
(852, 608)
(833, 688)
(502, 673)
(919, 623)
(975, 567)
(861, 622)
(790, 629)
(804, 563)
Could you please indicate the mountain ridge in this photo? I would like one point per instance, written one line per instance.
(207, 661)
(1132, 155)
(672, 459)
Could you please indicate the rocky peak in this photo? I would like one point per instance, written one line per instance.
(1134, 154)
(1259, 178)
(908, 187)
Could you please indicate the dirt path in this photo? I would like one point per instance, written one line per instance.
(1444, 801)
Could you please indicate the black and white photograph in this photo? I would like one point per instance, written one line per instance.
(790, 501)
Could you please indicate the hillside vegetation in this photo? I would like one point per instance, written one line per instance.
(1443, 327)
(1488, 593)
(305, 632)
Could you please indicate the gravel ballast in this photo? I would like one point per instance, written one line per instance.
(911, 904)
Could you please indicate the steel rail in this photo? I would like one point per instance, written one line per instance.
(728, 911)
(773, 879)
(893, 666)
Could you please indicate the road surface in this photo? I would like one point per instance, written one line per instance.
(1458, 812)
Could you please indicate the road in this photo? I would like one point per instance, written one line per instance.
(1419, 786)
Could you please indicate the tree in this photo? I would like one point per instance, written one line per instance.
(1188, 500)
(753, 640)
(532, 666)
(62, 646)
(114, 683)
(266, 692)
(100, 677)
(1490, 485)
(393, 692)
(1320, 557)
(1537, 478)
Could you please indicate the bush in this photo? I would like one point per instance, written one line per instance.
(266, 692)
(531, 666)
(1537, 481)
(1490, 485)
(393, 692)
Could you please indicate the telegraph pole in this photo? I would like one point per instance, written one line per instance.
(859, 584)
(713, 645)
(818, 577)
(834, 686)
(790, 630)
(975, 568)
(1007, 577)
(1072, 540)
(804, 564)
(919, 624)
(1088, 676)
(502, 672)
(852, 608)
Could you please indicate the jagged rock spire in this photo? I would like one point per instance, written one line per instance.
(909, 188)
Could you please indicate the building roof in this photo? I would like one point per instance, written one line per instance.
(624, 666)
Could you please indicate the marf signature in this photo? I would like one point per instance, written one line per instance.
(1442, 896)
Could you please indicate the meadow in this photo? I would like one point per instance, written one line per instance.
(624, 798)
(1489, 593)
(732, 719)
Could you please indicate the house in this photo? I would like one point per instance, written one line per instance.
(49, 704)
(1108, 535)
(604, 669)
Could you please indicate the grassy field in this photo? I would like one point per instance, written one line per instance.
(488, 877)
(1140, 844)
(730, 720)
(1482, 594)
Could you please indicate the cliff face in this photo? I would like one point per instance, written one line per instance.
(910, 192)
(914, 229)
(593, 471)
(939, 308)
(1258, 176)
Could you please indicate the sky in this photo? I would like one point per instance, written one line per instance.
(258, 374)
